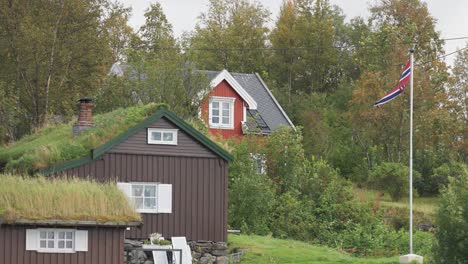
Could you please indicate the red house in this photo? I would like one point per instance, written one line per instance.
(241, 104)
(238, 104)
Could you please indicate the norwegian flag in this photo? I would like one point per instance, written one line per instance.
(404, 80)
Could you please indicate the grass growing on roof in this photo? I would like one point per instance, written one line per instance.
(55, 144)
(40, 198)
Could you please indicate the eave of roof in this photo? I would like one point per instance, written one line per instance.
(162, 112)
(274, 100)
(225, 75)
(71, 223)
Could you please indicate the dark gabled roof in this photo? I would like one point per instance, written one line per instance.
(268, 109)
(162, 112)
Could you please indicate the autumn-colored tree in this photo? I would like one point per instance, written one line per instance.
(396, 26)
(458, 95)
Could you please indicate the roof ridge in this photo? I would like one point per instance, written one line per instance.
(160, 113)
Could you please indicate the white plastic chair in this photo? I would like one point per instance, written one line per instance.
(181, 243)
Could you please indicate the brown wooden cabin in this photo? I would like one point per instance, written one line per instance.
(176, 177)
(58, 242)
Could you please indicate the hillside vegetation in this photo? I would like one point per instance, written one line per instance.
(55, 143)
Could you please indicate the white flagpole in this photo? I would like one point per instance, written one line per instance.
(411, 157)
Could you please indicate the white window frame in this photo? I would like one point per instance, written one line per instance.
(257, 157)
(163, 196)
(144, 184)
(221, 100)
(162, 131)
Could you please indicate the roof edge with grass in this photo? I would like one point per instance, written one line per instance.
(53, 148)
(28, 200)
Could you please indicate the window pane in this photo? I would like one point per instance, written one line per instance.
(167, 136)
(215, 105)
(150, 203)
(43, 234)
(69, 235)
(137, 190)
(61, 244)
(50, 235)
(50, 244)
(225, 113)
(215, 112)
(61, 235)
(43, 244)
(225, 106)
(150, 191)
(138, 203)
(215, 120)
(156, 136)
(226, 120)
(69, 244)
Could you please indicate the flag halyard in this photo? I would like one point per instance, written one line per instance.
(404, 80)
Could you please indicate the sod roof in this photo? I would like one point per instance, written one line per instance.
(54, 148)
(24, 198)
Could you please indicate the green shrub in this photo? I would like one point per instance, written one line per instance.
(293, 218)
(440, 175)
(285, 159)
(378, 239)
(452, 222)
(392, 178)
(251, 196)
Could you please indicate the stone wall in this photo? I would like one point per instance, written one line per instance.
(205, 252)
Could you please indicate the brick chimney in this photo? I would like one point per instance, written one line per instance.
(84, 116)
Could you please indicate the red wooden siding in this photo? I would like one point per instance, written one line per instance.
(105, 246)
(225, 90)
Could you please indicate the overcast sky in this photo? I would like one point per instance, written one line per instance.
(451, 15)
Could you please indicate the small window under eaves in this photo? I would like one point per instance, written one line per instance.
(162, 136)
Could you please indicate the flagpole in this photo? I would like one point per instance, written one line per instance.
(411, 157)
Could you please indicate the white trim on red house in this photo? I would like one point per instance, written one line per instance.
(220, 125)
(225, 75)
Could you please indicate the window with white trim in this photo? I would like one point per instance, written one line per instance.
(221, 112)
(144, 196)
(259, 162)
(57, 240)
(148, 197)
(162, 136)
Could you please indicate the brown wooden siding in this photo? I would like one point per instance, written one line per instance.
(199, 192)
(186, 145)
(105, 246)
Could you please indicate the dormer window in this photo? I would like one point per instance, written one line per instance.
(221, 112)
(162, 136)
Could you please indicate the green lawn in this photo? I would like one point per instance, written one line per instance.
(264, 249)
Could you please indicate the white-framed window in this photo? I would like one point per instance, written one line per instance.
(162, 136)
(221, 112)
(148, 197)
(56, 240)
(259, 162)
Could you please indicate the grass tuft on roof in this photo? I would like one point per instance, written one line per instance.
(72, 199)
(55, 144)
